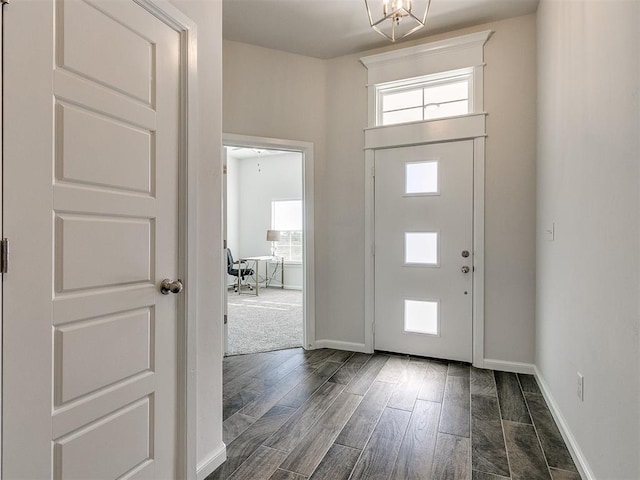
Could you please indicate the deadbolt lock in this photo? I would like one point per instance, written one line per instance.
(465, 253)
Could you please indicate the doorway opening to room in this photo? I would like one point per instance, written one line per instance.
(266, 227)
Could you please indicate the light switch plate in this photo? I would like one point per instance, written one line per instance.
(580, 387)
(550, 232)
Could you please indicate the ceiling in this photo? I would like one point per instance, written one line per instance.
(332, 28)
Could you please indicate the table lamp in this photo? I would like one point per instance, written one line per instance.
(273, 236)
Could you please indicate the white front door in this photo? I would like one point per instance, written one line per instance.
(91, 148)
(423, 250)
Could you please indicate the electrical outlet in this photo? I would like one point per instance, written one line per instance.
(580, 387)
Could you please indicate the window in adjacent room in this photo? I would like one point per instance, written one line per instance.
(286, 217)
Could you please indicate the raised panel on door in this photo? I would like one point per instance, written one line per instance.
(126, 55)
(128, 436)
(94, 341)
(101, 194)
(423, 223)
(97, 251)
(98, 150)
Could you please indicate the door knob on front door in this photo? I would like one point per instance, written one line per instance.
(465, 269)
(167, 286)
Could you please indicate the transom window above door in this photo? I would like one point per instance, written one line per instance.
(432, 81)
(425, 98)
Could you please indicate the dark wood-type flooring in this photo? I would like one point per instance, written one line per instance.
(330, 414)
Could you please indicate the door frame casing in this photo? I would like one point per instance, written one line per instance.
(187, 243)
(1, 224)
(470, 127)
(306, 149)
(186, 354)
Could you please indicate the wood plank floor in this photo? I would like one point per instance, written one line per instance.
(329, 414)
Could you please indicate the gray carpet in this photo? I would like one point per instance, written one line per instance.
(270, 321)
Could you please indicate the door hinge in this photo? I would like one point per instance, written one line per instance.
(373, 249)
(226, 319)
(4, 255)
(373, 172)
(224, 244)
(224, 170)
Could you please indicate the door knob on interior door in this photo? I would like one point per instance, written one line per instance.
(465, 269)
(167, 286)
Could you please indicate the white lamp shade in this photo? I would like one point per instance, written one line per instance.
(273, 235)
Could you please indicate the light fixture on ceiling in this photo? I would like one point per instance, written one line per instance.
(399, 17)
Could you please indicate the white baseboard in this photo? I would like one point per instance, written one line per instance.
(514, 367)
(213, 461)
(574, 449)
(337, 345)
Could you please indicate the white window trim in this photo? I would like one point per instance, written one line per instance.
(442, 57)
(437, 57)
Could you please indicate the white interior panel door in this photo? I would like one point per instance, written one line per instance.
(423, 250)
(91, 162)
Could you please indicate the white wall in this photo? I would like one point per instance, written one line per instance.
(257, 181)
(588, 179)
(233, 203)
(510, 191)
(274, 94)
(208, 17)
(340, 216)
(263, 179)
(258, 83)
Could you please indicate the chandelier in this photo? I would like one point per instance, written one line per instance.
(399, 17)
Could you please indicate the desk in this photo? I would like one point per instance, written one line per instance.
(279, 263)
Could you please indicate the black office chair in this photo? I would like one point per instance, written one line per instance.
(238, 272)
